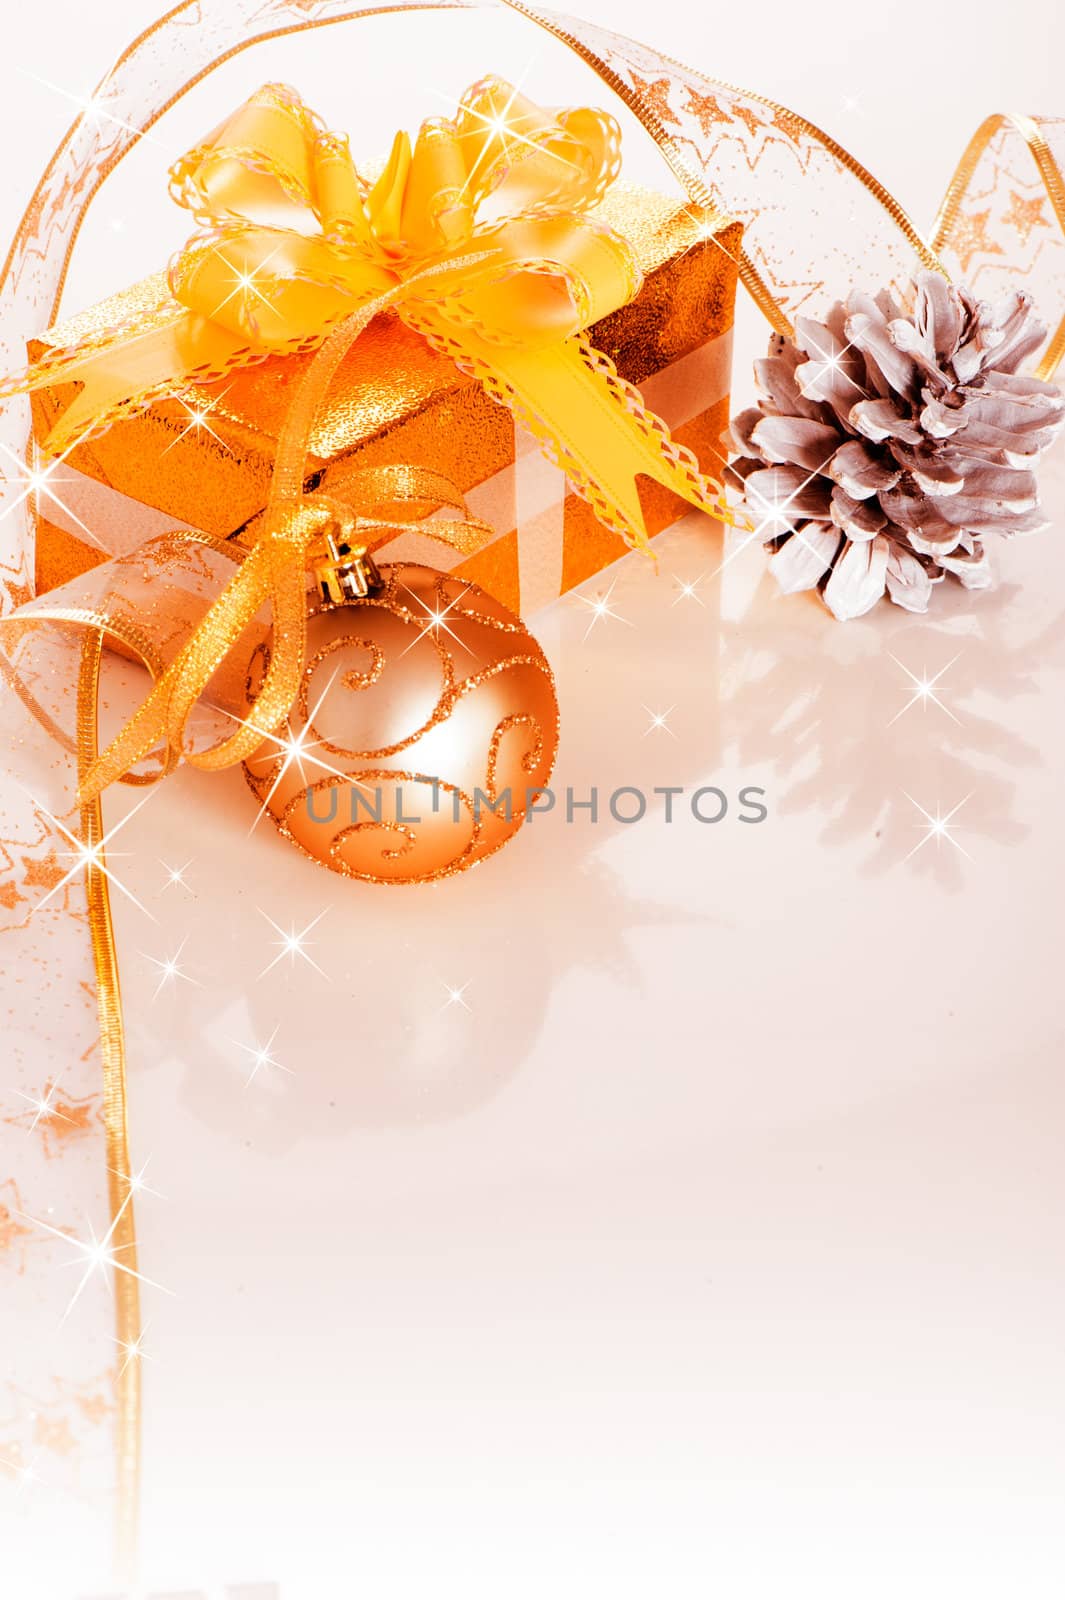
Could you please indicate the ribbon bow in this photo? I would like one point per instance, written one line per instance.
(480, 236)
(293, 239)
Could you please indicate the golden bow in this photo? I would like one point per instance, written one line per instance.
(294, 240)
(479, 236)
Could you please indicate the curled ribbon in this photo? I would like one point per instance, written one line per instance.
(696, 122)
(274, 572)
(479, 236)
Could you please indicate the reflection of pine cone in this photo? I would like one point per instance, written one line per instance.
(886, 446)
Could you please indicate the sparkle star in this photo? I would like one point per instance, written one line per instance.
(500, 127)
(937, 827)
(456, 997)
(435, 618)
(175, 875)
(134, 1181)
(292, 944)
(600, 607)
(133, 1350)
(199, 415)
(775, 522)
(246, 289)
(171, 969)
(23, 1473)
(262, 1055)
(98, 1256)
(41, 484)
(830, 366)
(923, 690)
(44, 1106)
(708, 226)
(296, 750)
(93, 107)
(659, 722)
(90, 857)
(688, 590)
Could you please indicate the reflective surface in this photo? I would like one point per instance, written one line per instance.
(715, 1248)
(666, 1202)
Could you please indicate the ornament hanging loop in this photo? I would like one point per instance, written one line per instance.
(346, 572)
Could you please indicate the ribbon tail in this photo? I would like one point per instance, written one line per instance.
(594, 425)
(128, 370)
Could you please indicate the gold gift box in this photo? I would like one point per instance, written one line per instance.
(397, 400)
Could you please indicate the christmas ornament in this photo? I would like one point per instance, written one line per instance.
(500, 264)
(764, 161)
(425, 724)
(888, 445)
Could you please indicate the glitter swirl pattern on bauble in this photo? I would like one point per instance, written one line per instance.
(427, 722)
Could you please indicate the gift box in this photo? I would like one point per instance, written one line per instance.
(204, 457)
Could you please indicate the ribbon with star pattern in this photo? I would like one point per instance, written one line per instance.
(1004, 216)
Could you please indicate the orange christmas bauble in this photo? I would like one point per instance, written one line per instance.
(426, 724)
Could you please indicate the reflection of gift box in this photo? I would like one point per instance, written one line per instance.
(396, 400)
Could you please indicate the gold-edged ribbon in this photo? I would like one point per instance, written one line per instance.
(950, 213)
(70, 183)
(479, 234)
(297, 249)
(273, 574)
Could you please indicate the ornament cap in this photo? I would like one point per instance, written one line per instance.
(346, 572)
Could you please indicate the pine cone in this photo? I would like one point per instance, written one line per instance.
(886, 446)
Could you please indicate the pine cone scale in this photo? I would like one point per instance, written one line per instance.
(886, 445)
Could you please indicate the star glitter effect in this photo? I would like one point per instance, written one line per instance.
(247, 287)
(98, 1257)
(262, 1055)
(41, 485)
(24, 1474)
(456, 996)
(435, 619)
(938, 827)
(923, 690)
(296, 750)
(775, 521)
(199, 413)
(659, 722)
(500, 127)
(175, 876)
(171, 969)
(135, 1182)
(293, 943)
(94, 106)
(688, 589)
(91, 857)
(828, 365)
(602, 608)
(708, 225)
(133, 1350)
(44, 1106)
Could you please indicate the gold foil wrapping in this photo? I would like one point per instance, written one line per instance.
(205, 456)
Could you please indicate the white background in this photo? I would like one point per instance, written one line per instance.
(902, 88)
(721, 1250)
